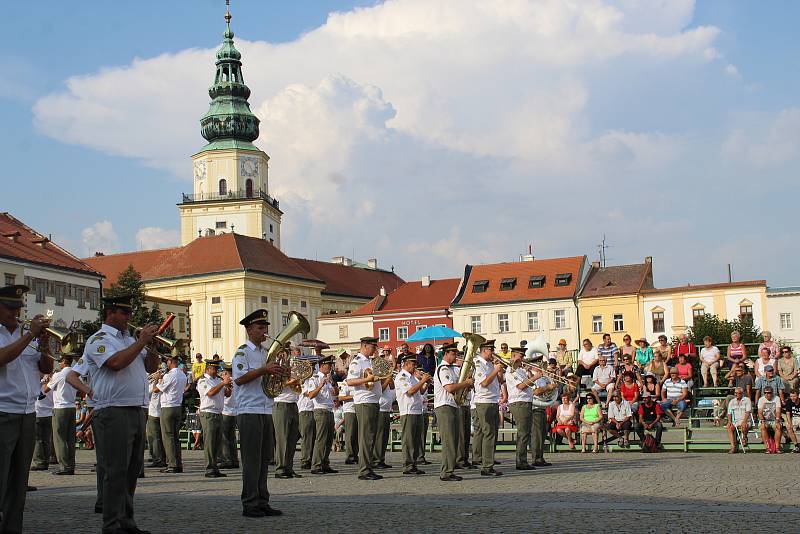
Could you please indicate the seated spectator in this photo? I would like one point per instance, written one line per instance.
(627, 348)
(573, 388)
(769, 380)
(658, 367)
(788, 370)
(709, 361)
(769, 413)
(198, 368)
(644, 354)
(738, 377)
(627, 366)
(737, 352)
(629, 389)
(651, 385)
(608, 349)
(665, 350)
(563, 356)
(685, 371)
(602, 379)
(591, 421)
(552, 367)
(686, 348)
(763, 361)
(791, 417)
(650, 414)
(587, 359)
(769, 344)
(565, 420)
(673, 396)
(739, 410)
(619, 419)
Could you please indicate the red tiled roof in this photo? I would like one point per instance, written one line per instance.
(22, 243)
(412, 296)
(702, 287)
(111, 265)
(618, 280)
(522, 271)
(351, 281)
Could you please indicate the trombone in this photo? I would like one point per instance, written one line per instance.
(533, 368)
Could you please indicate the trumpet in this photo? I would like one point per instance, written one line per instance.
(152, 348)
(64, 339)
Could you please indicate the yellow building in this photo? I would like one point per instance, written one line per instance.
(610, 301)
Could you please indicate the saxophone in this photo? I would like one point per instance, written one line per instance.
(468, 367)
(273, 384)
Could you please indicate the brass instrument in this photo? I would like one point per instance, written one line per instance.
(381, 370)
(301, 370)
(58, 340)
(468, 367)
(273, 384)
(152, 348)
(532, 367)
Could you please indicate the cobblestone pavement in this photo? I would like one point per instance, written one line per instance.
(618, 492)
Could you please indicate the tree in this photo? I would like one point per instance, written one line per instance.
(720, 330)
(130, 283)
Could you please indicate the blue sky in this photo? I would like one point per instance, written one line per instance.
(685, 149)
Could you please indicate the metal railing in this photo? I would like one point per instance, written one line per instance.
(240, 194)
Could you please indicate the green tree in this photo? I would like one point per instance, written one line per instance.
(720, 330)
(130, 283)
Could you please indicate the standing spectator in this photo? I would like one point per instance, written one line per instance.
(619, 419)
(343, 359)
(651, 385)
(565, 420)
(769, 413)
(740, 378)
(769, 380)
(787, 369)
(563, 356)
(665, 350)
(427, 359)
(673, 395)
(587, 359)
(627, 349)
(709, 361)
(686, 348)
(198, 367)
(737, 352)
(658, 367)
(685, 371)
(769, 344)
(739, 410)
(602, 379)
(650, 414)
(644, 353)
(591, 420)
(791, 416)
(609, 349)
(764, 359)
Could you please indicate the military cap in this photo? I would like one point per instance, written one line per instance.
(519, 350)
(215, 363)
(450, 347)
(257, 317)
(119, 301)
(325, 359)
(489, 343)
(13, 296)
(369, 340)
(408, 358)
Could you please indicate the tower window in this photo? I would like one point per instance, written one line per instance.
(248, 185)
(221, 225)
(223, 187)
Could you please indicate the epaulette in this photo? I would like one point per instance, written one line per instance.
(242, 347)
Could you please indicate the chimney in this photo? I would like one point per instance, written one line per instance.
(595, 265)
(372, 263)
(648, 259)
(98, 254)
(426, 281)
(526, 257)
(383, 291)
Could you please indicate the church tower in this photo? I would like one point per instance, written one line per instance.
(230, 174)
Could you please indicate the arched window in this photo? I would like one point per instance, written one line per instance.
(248, 188)
(223, 187)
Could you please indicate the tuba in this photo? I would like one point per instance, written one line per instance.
(473, 342)
(272, 384)
(537, 349)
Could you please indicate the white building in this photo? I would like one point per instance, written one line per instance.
(783, 314)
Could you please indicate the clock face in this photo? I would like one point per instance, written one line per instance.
(249, 167)
(200, 169)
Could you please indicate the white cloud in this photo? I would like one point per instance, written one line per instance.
(100, 237)
(731, 70)
(765, 142)
(152, 237)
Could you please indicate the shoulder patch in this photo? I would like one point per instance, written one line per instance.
(80, 361)
(240, 366)
(101, 349)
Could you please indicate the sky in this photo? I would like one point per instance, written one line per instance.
(427, 134)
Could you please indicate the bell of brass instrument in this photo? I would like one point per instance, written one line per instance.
(381, 370)
(468, 367)
(59, 340)
(296, 323)
(301, 370)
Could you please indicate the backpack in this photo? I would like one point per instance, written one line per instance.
(772, 446)
(649, 444)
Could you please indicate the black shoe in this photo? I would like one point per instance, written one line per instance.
(135, 530)
(526, 467)
(30, 488)
(284, 475)
(370, 476)
(329, 471)
(470, 466)
(224, 466)
(496, 462)
(490, 473)
(295, 475)
(305, 466)
(215, 474)
(172, 470)
(39, 468)
(542, 463)
(98, 509)
(270, 511)
(156, 464)
(317, 472)
(424, 462)
(64, 472)
(383, 465)
(253, 513)
(140, 475)
(350, 461)
(451, 478)
(413, 471)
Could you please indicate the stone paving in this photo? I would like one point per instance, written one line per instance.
(616, 492)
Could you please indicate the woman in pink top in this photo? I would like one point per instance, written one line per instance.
(565, 420)
(763, 360)
(737, 352)
(685, 372)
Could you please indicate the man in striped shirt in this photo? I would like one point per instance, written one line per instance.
(609, 349)
(673, 394)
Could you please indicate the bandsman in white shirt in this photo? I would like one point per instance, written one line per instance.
(158, 456)
(212, 390)
(322, 389)
(172, 385)
(44, 428)
(286, 418)
(254, 417)
(465, 424)
(488, 378)
(520, 395)
(21, 365)
(305, 407)
(367, 404)
(350, 423)
(229, 453)
(118, 382)
(64, 417)
(445, 384)
(388, 397)
(410, 391)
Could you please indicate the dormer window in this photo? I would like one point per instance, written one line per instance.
(536, 281)
(480, 286)
(563, 279)
(507, 284)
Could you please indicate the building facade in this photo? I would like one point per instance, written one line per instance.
(610, 301)
(521, 300)
(783, 314)
(671, 311)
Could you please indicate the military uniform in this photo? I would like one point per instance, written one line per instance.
(350, 424)
(286, 418)
(539, 423)
(44, 430)
(323, 421)
(447, 417)
(85, 369)
(308, 430)
(384, 423)
(410, 408)
(519, 404)
(158, 456)
(487, 408)
(367, 407)
(63, 420)
(229, 452)
(172, 386)
(211, 418)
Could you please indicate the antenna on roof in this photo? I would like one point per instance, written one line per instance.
(601, 248)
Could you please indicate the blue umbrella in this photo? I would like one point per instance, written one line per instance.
(433, 333)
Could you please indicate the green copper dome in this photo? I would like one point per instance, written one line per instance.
(229, 121)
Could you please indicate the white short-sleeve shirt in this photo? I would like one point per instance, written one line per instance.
(250, 397)
(513, 379)
(44, 406)
(407, 404)
(154, 407)
(362, 395)
(491, 393)
(229, 404)
(214, 403)
(388, 397)
(124, 388)
(323, 399)
(346, 391)
(445, 374)
(63, 393)
(20, 379)
(172, 386)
